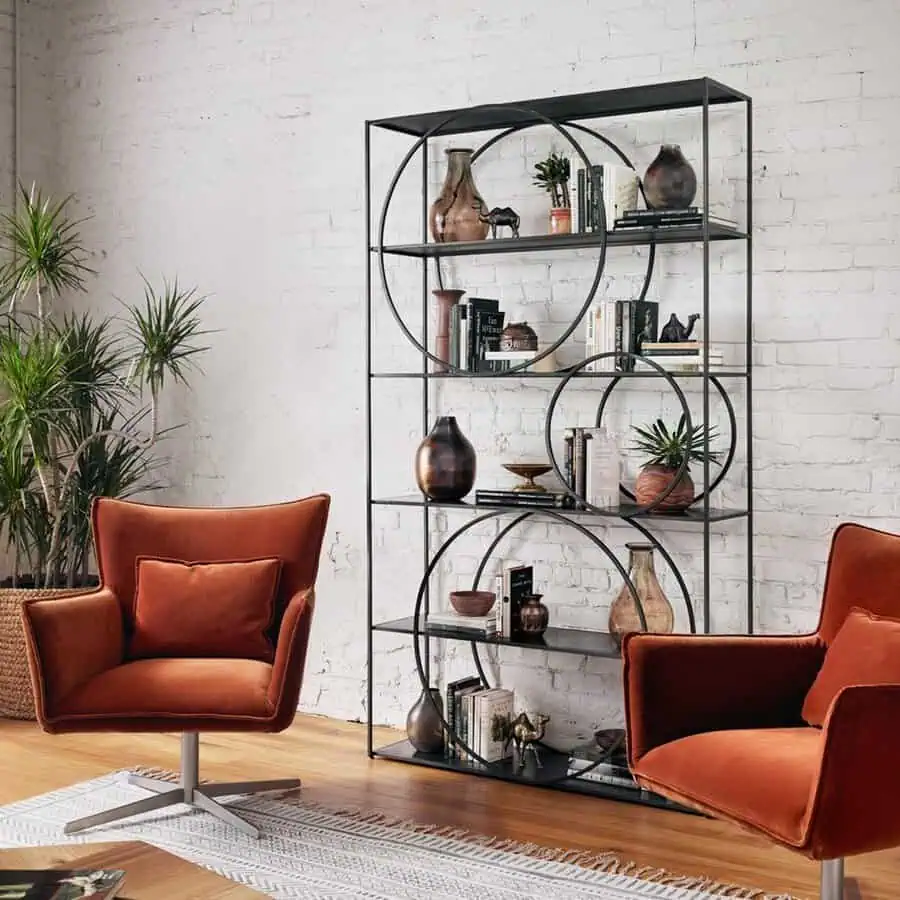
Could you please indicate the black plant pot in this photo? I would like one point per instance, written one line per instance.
(445, 462)
(670, 181)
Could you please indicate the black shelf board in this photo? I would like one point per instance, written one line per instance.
(536, 243)
(553, 767)
(643, 373)
(623, 511)
(580, 641)
(686, 94)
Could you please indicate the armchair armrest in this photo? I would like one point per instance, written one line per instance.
(70, 640)
(678, 685)
(290, 658)
(854, 803)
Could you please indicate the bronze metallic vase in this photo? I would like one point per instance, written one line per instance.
(445, 462)
(457, 213)
(533, 617)
(423, 722)
(658, 612)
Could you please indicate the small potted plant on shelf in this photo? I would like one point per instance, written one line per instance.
(553, 176)
(667, 450)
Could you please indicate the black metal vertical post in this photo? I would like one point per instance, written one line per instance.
(749, 364)
(706, 492)
(367, 205)
(426, 388)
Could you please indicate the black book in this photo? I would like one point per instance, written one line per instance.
(521, 585)
(475, 307)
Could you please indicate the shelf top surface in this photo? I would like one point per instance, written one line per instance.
(536, 243)
(559, 640)
(623, 511)
(512, 376)
(566, 108)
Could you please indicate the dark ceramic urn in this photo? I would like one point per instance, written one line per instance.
(445, 462)
(670, 181)
(424, 727)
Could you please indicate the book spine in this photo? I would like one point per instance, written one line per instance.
(617, 336)
(578, 467)
(507, 600)
(597, 198)
(464, 337)
(573, 204)
(500, 606)
(568, 449)
(449, 745)
(583, 197)
(454, 336)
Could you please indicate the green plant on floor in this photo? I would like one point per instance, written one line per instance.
(553, 176)
(79, 394)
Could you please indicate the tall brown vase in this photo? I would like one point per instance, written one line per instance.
(445, 462)
(455, 215)
(446, 299)
(623, 614)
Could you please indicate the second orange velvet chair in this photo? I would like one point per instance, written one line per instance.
(201, 624)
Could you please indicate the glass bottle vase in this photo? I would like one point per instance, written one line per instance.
(658, 613)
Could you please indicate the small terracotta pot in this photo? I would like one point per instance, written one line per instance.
(654, 480)
(560, 220)
(472, 603)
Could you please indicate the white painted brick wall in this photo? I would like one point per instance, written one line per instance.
(222, 140)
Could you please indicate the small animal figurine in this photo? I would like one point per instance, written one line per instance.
(526, 736)
(674, 330)
(502, 215)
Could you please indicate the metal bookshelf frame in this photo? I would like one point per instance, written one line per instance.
(565, 114)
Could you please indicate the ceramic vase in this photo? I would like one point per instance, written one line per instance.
(423, 722)
(654, 479)
(670, 181)
(445, 462)
(456, 214)
(446, 299)
(560, 220)
(658, 612)
(533, 616)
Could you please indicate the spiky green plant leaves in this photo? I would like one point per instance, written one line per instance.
(670, 448)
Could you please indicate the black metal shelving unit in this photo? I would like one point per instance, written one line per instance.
(566, 114)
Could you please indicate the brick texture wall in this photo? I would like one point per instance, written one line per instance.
(222, 140)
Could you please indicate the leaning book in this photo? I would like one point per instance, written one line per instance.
(60, 884)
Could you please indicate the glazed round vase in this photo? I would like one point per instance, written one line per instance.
(423, 722)
(533, 616)
(670, 181)
(446, 299)
(445, 462)
(654, 479)
(456, 213)
(658, 612)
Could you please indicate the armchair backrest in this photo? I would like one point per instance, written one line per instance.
(863, 571)
(124, 530)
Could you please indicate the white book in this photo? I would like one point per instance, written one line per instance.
(573, 197)
(620, 191)
(496, 704)
(511, 355)
(487, 624)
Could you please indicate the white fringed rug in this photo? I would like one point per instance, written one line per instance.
(316, 854)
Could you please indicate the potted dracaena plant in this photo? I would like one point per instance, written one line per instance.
(553, 176)
(79, 407)
(667, 450)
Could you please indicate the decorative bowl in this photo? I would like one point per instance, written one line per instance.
(529, 471)
(472, 603)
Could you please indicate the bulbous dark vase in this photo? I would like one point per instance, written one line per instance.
(445, 462)
(670, 181)
(423, 722)
(533, 616)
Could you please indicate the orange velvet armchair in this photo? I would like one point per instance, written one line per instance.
(717, 722)
(158, 648)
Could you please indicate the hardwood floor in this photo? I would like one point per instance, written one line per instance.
(330, 757)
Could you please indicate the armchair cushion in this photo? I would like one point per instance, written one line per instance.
(201, 610)
(866, 650)
(762, 778)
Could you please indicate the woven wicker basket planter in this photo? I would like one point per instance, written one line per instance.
(16, 699)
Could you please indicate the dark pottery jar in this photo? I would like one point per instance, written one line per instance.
(445, 462)
(518, 336)
(654, 479)
(670, 181)
(423, 722)
(533, 616)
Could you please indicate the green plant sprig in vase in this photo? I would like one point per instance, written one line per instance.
(553, 175)
(667, 451)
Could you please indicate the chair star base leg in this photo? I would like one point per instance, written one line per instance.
(158, 801)
(832, 880)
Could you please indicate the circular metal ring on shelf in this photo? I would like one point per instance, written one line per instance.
(601, 262)
(548, 422)
(418, 631)
(732, 445)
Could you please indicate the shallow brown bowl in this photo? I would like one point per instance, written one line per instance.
(472, 603)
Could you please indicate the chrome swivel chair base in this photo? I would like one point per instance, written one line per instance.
(189, 791)
(832, 880)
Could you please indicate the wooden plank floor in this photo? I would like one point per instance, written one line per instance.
(330, 757)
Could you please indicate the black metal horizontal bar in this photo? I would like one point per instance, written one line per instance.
(500, 376)
(568, 108)
(537, 243)
(551, 774)
(623, 511)
(581, 641)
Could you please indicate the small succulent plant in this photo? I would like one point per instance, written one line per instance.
(553, 176)
(669, 448)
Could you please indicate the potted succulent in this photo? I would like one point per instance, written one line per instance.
(667, 451)
(79, 405)
(553, 176)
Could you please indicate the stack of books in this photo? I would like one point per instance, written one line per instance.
(669, 218)
(475, 329)
(533, 499)
(606, 769)
(682, 356)
(621, 326)
(613, 186)
(480, 717)
(483, 626)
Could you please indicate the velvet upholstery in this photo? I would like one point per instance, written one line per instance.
(82, 678)
(204, 609)
(715, 722)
